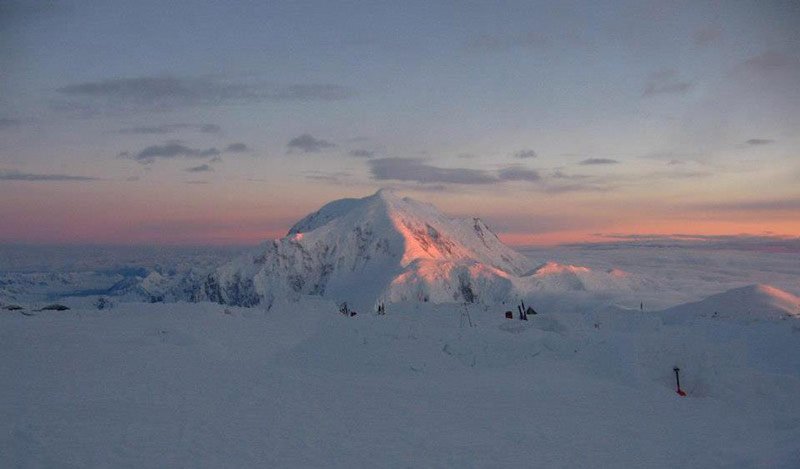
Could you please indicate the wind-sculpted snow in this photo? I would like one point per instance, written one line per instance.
(555, 277)
(442, 282)
(752, 303)
(321, 217)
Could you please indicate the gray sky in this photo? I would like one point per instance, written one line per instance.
(222, 122)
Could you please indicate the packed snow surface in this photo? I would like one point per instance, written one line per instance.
(300, 385)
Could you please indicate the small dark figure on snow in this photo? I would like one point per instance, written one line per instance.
(103, 303)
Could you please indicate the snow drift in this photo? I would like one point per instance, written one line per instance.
(747, 304)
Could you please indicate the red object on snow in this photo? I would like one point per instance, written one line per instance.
(681, 393)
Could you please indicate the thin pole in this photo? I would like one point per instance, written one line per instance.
(678, 382)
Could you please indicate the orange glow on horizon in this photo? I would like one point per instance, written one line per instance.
(106, 213)
(784, 228)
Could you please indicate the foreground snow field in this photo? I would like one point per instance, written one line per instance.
(189, 385)
(112, 380)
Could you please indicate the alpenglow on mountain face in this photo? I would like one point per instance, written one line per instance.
(379, 248)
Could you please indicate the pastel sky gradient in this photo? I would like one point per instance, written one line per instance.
(224, 122)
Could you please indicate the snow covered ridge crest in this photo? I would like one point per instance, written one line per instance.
(378, 248)
(745, 304)
(384, 248)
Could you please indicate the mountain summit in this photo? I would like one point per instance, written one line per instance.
(379, 248)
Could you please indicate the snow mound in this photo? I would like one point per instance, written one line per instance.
(750, 303)
(555, 277)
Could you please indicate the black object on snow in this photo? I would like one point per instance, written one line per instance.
(678, 382)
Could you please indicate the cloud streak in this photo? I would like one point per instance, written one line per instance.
(665, 82)
(412, 169)
(417, 170)
(6, 123)
(742, 242)
(361, 153)
(325, 176)
(758, 141)
(170, 150)
(166, 93)
(237, 147)
(518, 173)
(176, 149)
(495, 43)
(767, 61)
(772, 205)
(598, 161)
(171, 128)
(525, 154)
(705, 36)
(306, 143)
(203, 168)
(20, 176)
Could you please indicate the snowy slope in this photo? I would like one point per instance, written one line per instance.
(750, 303)
(379, 248)
(555, 277)
(425, 232)
(206, 385)
(584, 383)
(386, 248)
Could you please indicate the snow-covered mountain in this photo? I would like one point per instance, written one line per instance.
(379, 248)
(750, 303)
(387, 248)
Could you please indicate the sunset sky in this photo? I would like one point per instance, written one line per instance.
(149, 122)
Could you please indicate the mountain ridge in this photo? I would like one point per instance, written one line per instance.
(378, 248)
